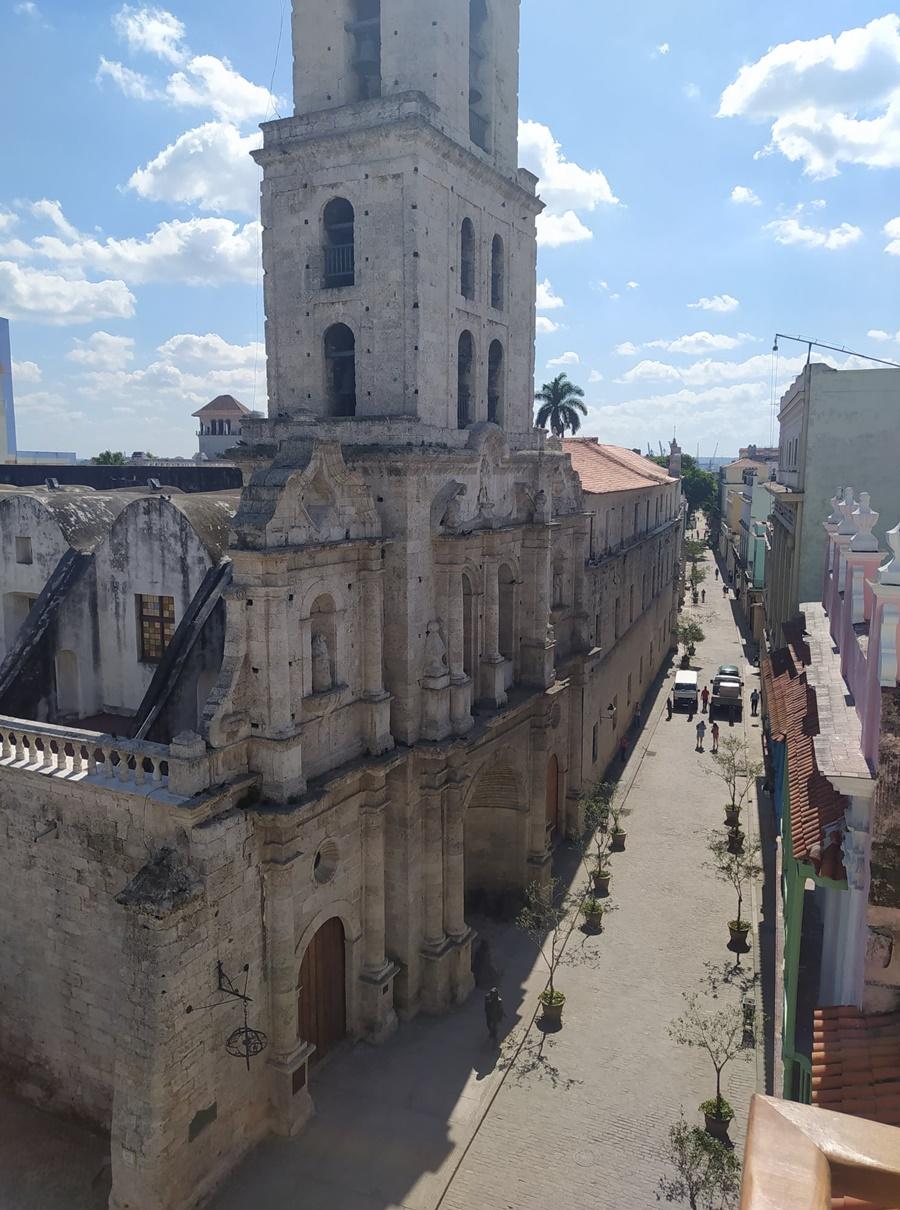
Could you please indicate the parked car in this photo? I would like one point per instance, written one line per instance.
(685, 691)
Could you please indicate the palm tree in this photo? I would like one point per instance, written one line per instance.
(560, 404)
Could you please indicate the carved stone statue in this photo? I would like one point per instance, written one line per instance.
(435, 651)
(452, 518)
(322, 679)
(865, 519)
(541, 510)
(485, 504)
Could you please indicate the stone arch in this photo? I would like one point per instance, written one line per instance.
(496, 393)
(323, 629)
(498, 273)
(467, 259)
(496, 837)
(325, 1009)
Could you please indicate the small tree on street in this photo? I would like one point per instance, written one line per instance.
(109, 458)
(694, 549)
(707, 1173)
(688, 634)
(596, 808)
(734, 766)
(736, 869)
(719, 1033)
(541, 919)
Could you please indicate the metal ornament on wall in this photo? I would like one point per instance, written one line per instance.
(244, 1042)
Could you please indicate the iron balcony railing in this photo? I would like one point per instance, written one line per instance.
(339, 265)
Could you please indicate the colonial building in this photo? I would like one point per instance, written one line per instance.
(829, 420)
(220, 425)
(833, 730)
(434, 629)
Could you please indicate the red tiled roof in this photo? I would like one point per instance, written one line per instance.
(816, 807)
(610, 468)
(224, 403)
(856, 1063)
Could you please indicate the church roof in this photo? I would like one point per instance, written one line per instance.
(224, 405)
(611, 468)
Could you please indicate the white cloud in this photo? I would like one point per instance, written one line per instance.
(544, 326)
(132, 83)
(48, 406)
(209, 167)
(547, 299)
(8, 220)
(830, 100)
(791, 231)
(47, 297)
(700, 342)
(880, 335)
(718, 302)
(691, 91)
(565, 359)
(196, 251)
(663, 48)
(710, 372)
(211, 350)
(565, 187)
(633, 285)
(54, 212)
(554, 230)
(741, 195)
(626, 349)
(818, 203)
(595, 376)
(103, 351)
(892, 231)
(210, 83)
(28, 8)
(152, 30)
(26, 372)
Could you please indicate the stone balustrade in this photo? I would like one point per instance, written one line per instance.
(68, 753)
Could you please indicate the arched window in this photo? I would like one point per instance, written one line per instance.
(467, 259)
(465, 365)
(479, 64)
(340, 370)
(498, 277)
(366, 29)
(495, 382)
(338, 224)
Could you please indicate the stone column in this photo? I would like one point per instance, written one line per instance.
(454, 865)
(538, 647)
(289, 1055)
(538, 854)
(378, 973)
(436, 987)
(377, 700)
(493, 690)
(461, 719)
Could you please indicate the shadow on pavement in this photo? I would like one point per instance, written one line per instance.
(765, 816)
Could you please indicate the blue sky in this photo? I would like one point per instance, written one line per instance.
(714, 172)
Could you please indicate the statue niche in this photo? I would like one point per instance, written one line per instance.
(323, 644)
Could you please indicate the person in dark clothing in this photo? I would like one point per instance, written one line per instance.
(754, 702)
(717, 573)
(668, 709)
(494, 1012)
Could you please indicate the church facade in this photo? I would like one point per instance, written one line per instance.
(436, 629)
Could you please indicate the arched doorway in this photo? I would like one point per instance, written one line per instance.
(553, 797)
(321, 991)
(495, 838)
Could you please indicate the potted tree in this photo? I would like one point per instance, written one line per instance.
(735, 768)
(541, 918)
(593, 909)
(596, 808)
(719, 1033)
(688, 634)
(737, 868)
(705, 1171)
(617, 832)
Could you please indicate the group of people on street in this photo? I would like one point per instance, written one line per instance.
(701, 735)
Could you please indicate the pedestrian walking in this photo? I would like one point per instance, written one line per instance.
(724, 590)
(668, 710)
(701, 732)
(494, 1013)
(714, 732)
(704, 697)
(754, 702)
(703, 595)
(717, 573)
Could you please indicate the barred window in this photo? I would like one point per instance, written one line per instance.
(156, 625)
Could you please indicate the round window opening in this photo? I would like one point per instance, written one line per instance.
(325, 863)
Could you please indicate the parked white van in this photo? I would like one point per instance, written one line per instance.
(685, 691)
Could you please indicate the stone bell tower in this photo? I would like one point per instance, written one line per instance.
(399, 235)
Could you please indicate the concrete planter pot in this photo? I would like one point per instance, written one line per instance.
(601, 882)
(732, 817)
(717, 1128)
(617, 842)
(735, 840)
(551, 1010)
(739, 931)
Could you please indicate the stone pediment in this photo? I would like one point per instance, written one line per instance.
(307, 498)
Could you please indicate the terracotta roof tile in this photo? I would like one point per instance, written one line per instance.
(817, 809)
(610, 468)
(224, 403)
(856, 1064)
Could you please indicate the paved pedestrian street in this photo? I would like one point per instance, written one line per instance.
(437, 1118)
